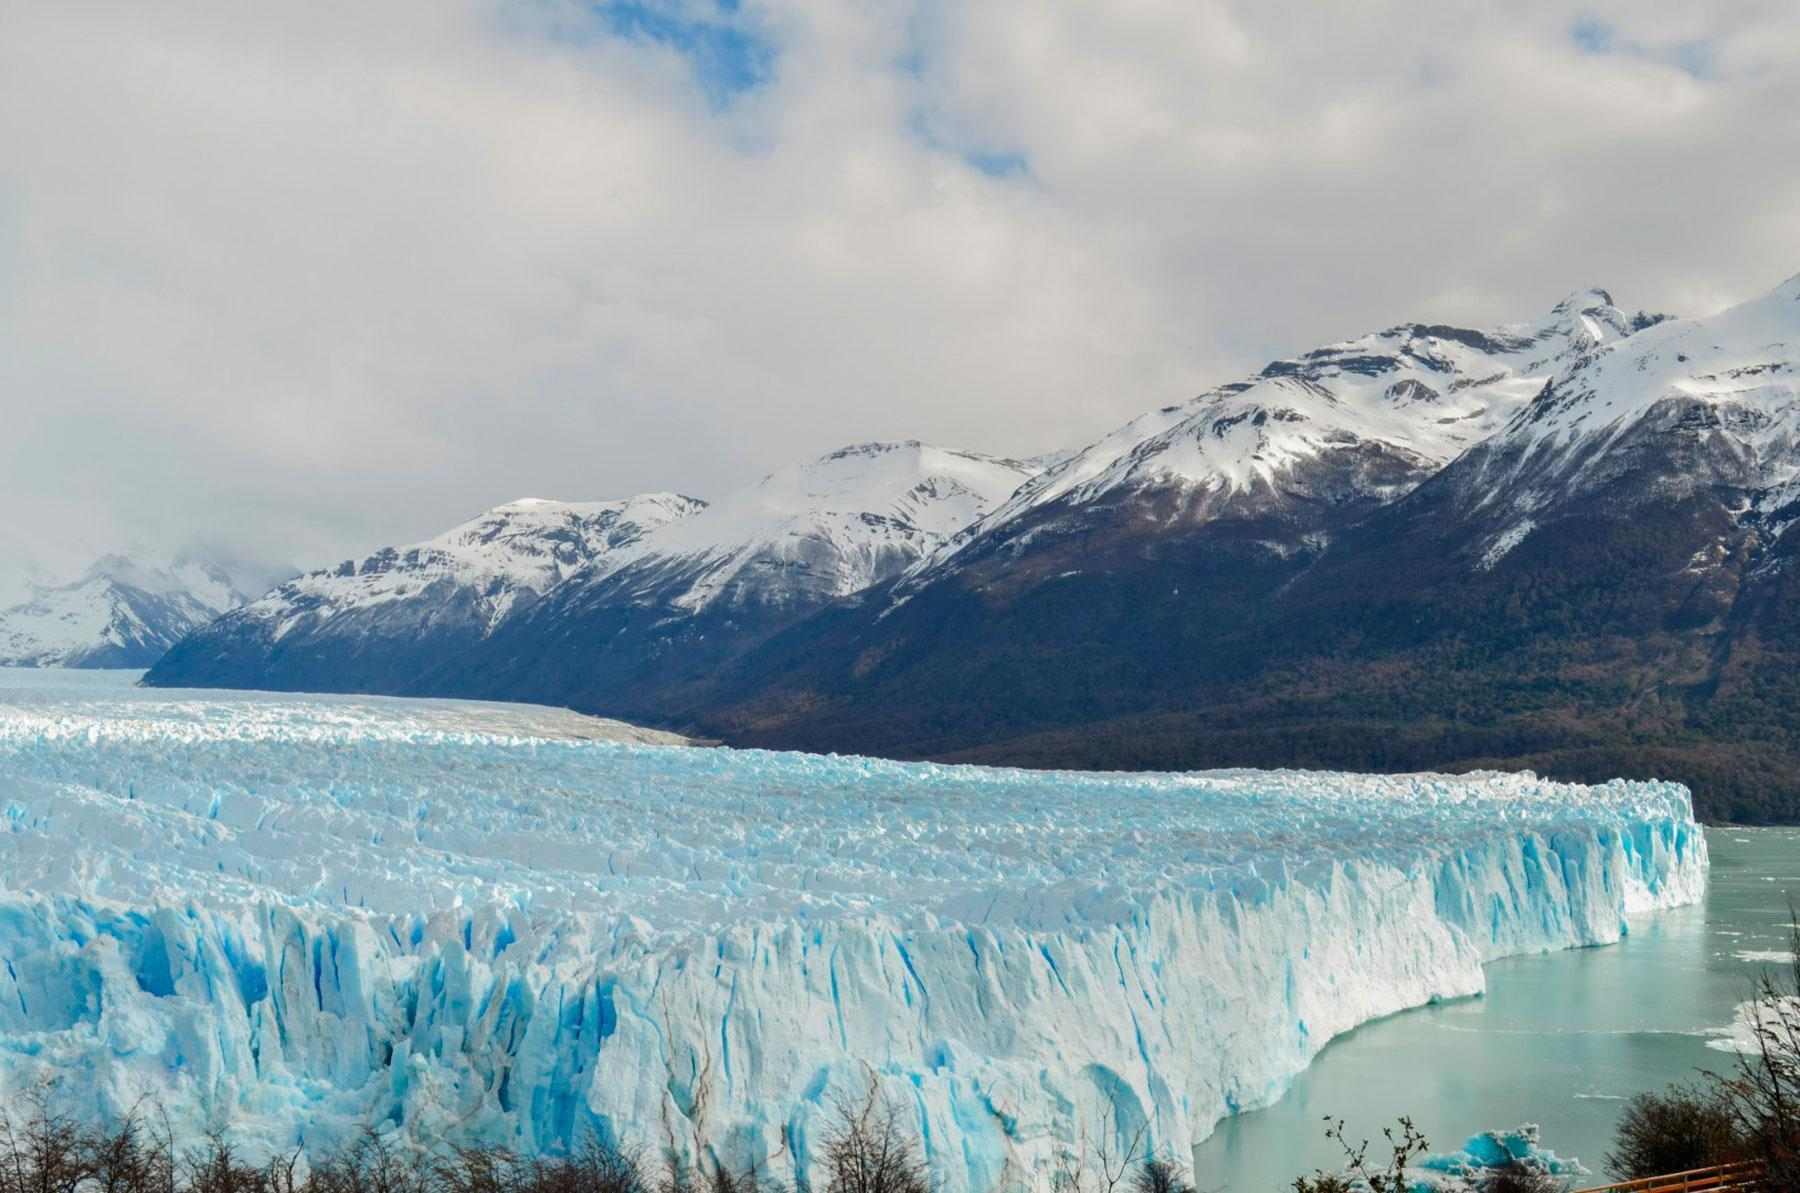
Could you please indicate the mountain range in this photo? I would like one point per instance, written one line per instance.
(1559, 544)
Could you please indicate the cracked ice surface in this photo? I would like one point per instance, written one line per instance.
(306, 915)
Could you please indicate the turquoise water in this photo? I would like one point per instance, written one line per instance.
(1559, 1039)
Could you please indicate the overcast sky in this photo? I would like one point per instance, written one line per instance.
(307, 278)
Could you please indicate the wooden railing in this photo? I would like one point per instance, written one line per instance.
(1724, 1178)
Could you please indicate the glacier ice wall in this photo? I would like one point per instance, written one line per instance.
(304, 916)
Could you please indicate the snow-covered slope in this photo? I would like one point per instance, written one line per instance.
(826, 528)
(641, 638)
(430, 617)
(513, 552)
(304, 918)
(1689, 407)
(1741, 362)
(119, 613)
(378, 623)
(1358, 422)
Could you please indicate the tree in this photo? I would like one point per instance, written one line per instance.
(1160, 1176)
(872, 1149)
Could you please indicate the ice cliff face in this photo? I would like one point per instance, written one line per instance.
(307, 917)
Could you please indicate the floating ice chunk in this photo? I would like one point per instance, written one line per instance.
(1466, 1171)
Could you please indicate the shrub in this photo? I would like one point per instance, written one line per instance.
(1160, 1176)
(1404, 1146)
(370, 1165)
(1674, 1131)
(215, 1168)
(1522, 1178)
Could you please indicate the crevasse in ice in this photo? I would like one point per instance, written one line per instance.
(305, 916)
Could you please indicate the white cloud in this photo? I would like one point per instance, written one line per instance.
(319, 277)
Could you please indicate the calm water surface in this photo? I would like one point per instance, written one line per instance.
(1559, 1039)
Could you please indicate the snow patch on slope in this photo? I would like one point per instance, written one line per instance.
(522, 548)
(823, 529)
(1503, 543)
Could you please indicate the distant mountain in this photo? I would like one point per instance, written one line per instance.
(1287, 457)
(610, 602)
(1561, 544)
(1603, 585)
(647, 637)
(120, 612)
(378, 624)
(1124, 570)
(808, 534)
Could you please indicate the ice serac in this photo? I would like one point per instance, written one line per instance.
(305, 917)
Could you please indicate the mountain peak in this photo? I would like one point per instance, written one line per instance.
(118, 612)
(115, 566)
(1584, 300)
(1718, 394)
(1357, 421)
(1589, 318)
(838, 522)
(875, 447)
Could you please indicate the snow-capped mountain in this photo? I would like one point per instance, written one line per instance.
(1307, 440)
(118, 613)
(372, 624)
(513, 553)
(556, 598)
(1690, 409)
(823, 529)
(1559, 544)
(1596, 578)
(1121, 569)
(634, 638)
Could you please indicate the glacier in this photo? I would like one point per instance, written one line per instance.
(302, 917)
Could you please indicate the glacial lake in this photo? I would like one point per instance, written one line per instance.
(1559, 1039)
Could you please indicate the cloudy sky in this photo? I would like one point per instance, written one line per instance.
(309, 278)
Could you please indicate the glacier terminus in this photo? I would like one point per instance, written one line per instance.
(303, 917)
